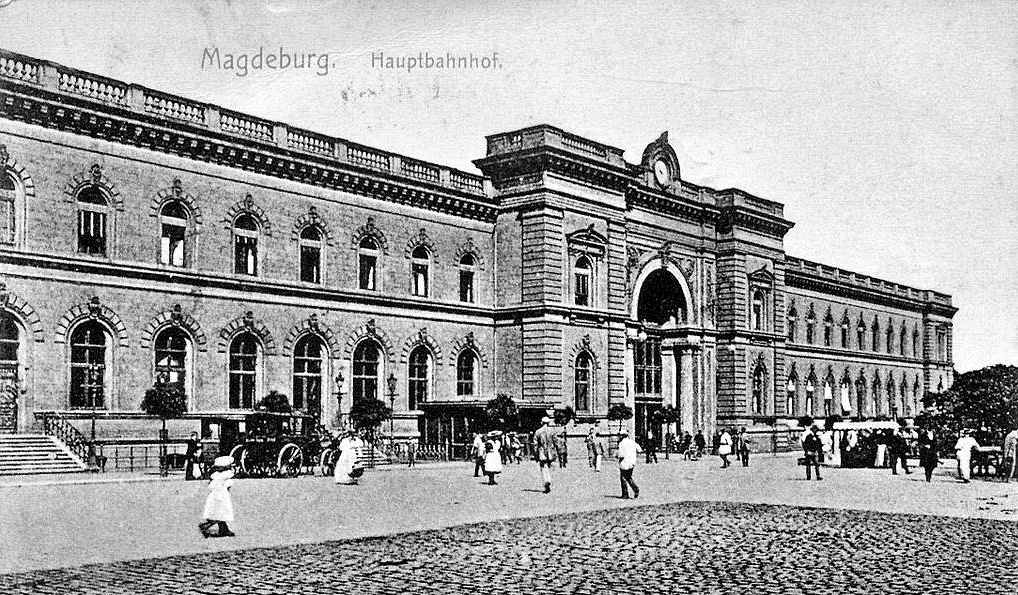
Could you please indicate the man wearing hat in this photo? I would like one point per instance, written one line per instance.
(218, 504)
(545, 451)
(963, 448)
(628, 448)
(813, 449)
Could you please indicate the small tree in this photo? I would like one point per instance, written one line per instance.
(165, 400)
(619, 412)
(502, 413)
(274, 402)
(367, 415)
(564, 415)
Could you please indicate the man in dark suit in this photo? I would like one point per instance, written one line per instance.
(898, 449)
(545, 451)
(813, 448)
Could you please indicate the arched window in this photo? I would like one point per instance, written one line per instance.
(367, 265)
(311, 255)
(846, 400)
(466, 372)
(828, 329)
(860, 335)
(173, 223)
(366, 370)
(828, 395)
(844, 331)
(907, 408)
(8, 207)
(811, 325)
(93, 210)
(308, 373)
(810, 396)
(582, 378)
(875, 396)
(467, 267)
(245, 245)
(10, 343)
(88, 366)
(902, 339)
(758, 391)
(244, 368)
(860, 397)
(419, 377)
(892, 400)
(875, 331)
(915, 395)
(582, 272)
(915, 342)
(757, 312)
(889, 337)
(420, 268)
(172, 351)
(791, 321)
(790, 395)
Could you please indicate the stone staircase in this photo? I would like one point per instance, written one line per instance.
(22, 454)
(365, 459)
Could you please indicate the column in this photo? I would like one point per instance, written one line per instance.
(669, 369)
(686, 400)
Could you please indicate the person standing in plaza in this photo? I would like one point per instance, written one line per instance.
(477, 452)
(628, 448)
(218, 504)
(715, 443)
(1009, 453)
(348, 469)
(544, 450)
(897, 449)
(882, 439)
(963, 449)
(651, 447)
(492, 460)
(560, 448)
(701, 443)
(813, 449)
(193, 458)
(724, 448)
(928, 453)
(742, 442)
(411, 453)
(591, 443)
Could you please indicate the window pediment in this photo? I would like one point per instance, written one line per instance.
(587, 241)
(762, 276)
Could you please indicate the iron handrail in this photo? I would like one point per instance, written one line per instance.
(58, 427)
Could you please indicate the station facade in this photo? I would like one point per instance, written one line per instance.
(148, 236)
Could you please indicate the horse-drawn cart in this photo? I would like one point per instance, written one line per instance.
(276, 445)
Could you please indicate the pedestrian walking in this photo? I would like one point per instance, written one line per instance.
(650, 451)
(560, 448)
(628, 448)
(599, 453)
(701, 443)
(544, 450)
(928, 453)
(813, 449)
(348, 467)
(218, 504)
(492, 461)
(725, 448)
(715, 443)
(411, 453)
(963, 449)
(897, 449)
(686, 446)
(591, 443)
(192, 456)
(477, 453)
(743, 447)
(1010, 453)
(882, 439)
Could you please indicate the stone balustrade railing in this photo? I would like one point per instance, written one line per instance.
(848, 277)
(63, 80)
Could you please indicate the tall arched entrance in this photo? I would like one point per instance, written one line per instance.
(660, 352)
(10, 348)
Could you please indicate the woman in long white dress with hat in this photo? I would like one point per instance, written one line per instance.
(348, 471)
(219, 504)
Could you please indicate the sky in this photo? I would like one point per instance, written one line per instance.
(887, 129)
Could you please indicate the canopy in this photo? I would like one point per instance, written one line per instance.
(866, 425)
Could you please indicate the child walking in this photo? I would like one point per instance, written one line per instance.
(218, 504)
(492, 461)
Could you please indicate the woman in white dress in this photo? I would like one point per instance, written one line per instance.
(219, 504)
(347, 469)
(725, 448)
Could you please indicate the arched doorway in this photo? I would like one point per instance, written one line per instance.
(10, 345)
(661, 307)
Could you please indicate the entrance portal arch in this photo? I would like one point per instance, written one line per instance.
(660, 293)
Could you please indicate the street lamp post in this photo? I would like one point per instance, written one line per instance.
(339, 399)
(93, 390)
(392, 403)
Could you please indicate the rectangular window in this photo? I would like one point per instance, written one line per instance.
(647, 362)
(844, 336)
(310, 264)
(172, 246)
(582, 388)
(420, 279)
(582, 289)
(367, 271)
(92, 233)
(467, 286)
(7, 216)
(245, 255)
(941, 345)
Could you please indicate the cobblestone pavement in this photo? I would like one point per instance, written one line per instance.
(691, 547)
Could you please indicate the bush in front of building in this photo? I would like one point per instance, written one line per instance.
(984, 400)
(274, 402)
(367, 415)
(502, 413)
(619, 412)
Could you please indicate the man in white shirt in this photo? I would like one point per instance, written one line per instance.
(628, 448)
(1010, 453)
(963, 448)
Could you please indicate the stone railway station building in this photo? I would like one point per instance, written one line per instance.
(146, 235)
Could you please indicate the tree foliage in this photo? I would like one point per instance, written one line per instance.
(986, 398)
(367, 414)
(165, 400)
(619, 412)
(564, 415)
(502, 413)
(274, 402)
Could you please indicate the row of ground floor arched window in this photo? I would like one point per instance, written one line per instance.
(864, 393)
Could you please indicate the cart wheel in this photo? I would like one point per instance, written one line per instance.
(240, 457)
(325, 462)
(290, 460)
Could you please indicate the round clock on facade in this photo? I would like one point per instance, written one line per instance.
(662, 172)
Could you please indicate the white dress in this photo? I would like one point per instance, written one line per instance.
(348, 451)
(218, 504)
(493, 462)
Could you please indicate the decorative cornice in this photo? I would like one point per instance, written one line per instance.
(312, 326)
(312, 219)
(93, 309)
(246, 323)
(176, 192)
(175, 318)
